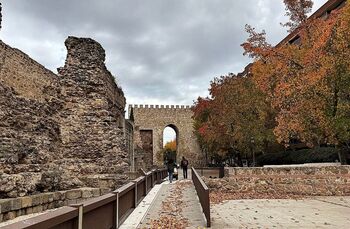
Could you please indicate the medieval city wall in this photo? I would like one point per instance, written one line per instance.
(60, 131)
(156, 118)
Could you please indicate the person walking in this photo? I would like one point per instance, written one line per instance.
(171, 166)
(184, 165)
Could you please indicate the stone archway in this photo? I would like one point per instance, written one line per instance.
(155, 118)
(175, 131)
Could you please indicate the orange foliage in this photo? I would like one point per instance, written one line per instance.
(302, 81)
(292, 92)
(170, 145)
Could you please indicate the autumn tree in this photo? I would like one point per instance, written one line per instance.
(236, 113)
(297, 11)
(307, 83)
(171, 145)
(293, 92)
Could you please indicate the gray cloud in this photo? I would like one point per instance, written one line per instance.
(160, 51)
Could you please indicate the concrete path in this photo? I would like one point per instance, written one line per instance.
(177, 205)
(141, 210)
(318, 212)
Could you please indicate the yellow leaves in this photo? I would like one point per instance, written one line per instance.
(172, 207)
(170, 145)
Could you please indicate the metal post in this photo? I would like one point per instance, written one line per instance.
(80, 222)
(117, 210)
(80, 215)
(135, 183)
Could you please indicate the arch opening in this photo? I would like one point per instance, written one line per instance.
(170, 143)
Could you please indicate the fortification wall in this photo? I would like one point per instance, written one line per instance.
(156, 118)
(63, 131)
(27, 77)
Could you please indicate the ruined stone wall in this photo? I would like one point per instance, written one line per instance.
(28, 78)
(61, 131)
(93, 114)
(29, 126)
(156, 118)
(281, 182)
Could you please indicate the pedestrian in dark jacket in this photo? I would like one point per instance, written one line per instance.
(171, 166)
(184, 165)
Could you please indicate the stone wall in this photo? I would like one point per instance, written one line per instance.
(64, 131)
(14, 207)
(284, 181)
(156, 118)
(92, 118)
(30, 107)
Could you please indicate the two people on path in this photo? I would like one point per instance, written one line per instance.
(171, 167)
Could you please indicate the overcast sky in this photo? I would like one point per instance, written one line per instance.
(160, 51)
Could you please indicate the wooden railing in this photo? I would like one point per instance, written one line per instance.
(105, 212)
(203, 194)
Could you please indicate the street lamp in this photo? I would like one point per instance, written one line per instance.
(252, 141)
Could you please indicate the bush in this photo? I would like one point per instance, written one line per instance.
(315, 155)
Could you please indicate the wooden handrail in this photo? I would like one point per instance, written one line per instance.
(105, 211)
(203, 194)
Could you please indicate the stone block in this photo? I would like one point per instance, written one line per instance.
(58, 203)
(44, 198)
(16, 204)
(37, 199)
(20, 212)
(73, 201)
(37, 209)
(51, 205)
(1, 217)
(26, 202)
(5, 205)
(57, 196)
(105, 191)
(86, 193)
(63, 194)
(29, 210)
(9, 215)
(45, 207)
(96, 192)
(73, 194)
(50, 197)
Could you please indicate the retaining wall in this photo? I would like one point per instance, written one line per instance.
(14, 207)
(305, 181)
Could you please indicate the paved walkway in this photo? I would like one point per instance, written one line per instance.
(168, 205)
(318, 212)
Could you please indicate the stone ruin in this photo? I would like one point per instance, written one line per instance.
(60, 131)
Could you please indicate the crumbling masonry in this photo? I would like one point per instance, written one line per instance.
(60, 131)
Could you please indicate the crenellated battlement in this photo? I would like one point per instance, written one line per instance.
(147, 106)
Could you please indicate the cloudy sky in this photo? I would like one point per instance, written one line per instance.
(160, 51)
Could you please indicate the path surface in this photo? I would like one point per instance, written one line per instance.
(176, 206)
(318, 212)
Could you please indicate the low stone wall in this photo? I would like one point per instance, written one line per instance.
(14, 207)
(283, 182)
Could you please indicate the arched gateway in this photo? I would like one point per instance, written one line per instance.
(149, 124)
